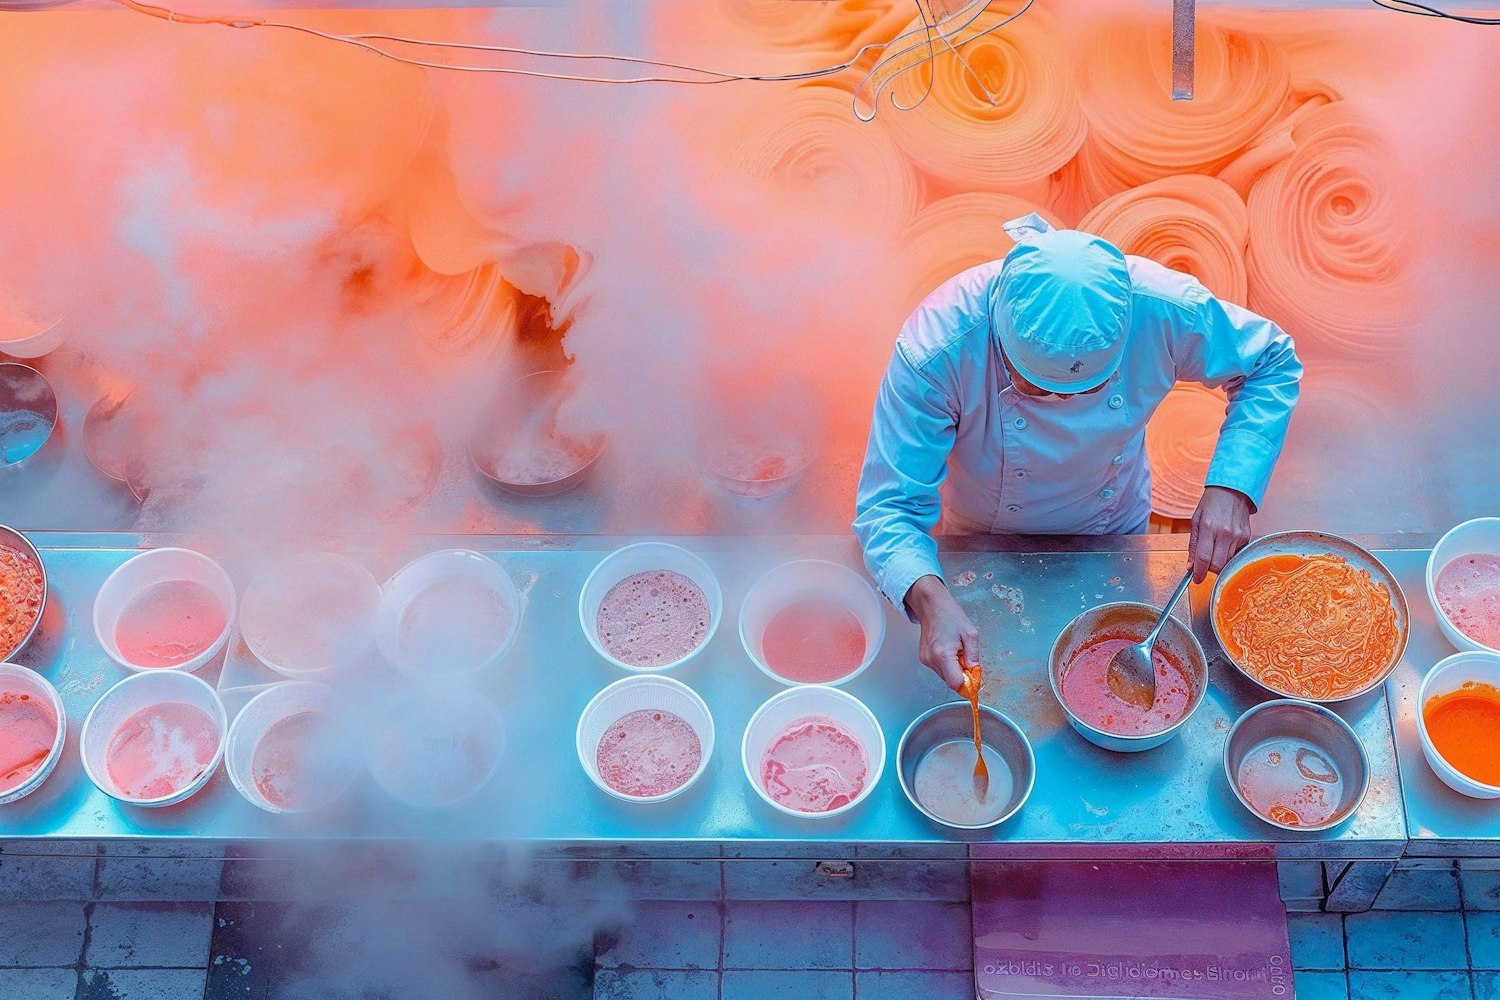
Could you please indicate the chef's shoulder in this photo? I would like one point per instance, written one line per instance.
(951, 322)
(1164, 289)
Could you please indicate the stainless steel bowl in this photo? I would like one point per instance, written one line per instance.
(1307, 723)
(955, 721)
(505, 418)
(1132, 620)
(10, 538)
(1313, 543)
(28, 413)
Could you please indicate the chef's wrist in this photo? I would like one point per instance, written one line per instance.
(921, 595)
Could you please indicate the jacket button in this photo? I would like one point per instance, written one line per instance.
(1119, 459)
(1116, 401)
(1020, 423)
(1013, 508)
(1107, 492)
(1020, 473)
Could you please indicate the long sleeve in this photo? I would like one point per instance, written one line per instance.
(1255, 361)
(897, 505)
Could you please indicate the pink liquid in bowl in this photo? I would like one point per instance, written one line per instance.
(169, 623)
(1468, 591)
(297, 763)
(648, 753)
(28, 728)
(813, 642)
(814, 765)
(654, 618)
(161, 750)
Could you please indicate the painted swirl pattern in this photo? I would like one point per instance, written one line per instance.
(1310, 627)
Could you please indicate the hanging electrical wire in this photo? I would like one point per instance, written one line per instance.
(911, 49)
(1422, 10)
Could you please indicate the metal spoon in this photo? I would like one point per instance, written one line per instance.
(1132, 677)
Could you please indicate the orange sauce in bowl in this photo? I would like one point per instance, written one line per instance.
(1309, 627)
(1464, 727)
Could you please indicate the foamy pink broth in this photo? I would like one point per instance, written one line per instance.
(651, 619)
(169, 623)
(1468, 591)
(161, 749)
(647, 753)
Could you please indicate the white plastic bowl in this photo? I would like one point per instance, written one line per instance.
(150, 568)
(811, 579)
(316, 599)
(272, 706)
(795, 703)
(1447, 676)
(129, 696)
(634, 694)
(644, 557)
(449, 567)
(23, 680)
(426, 729)
(27, 338)
(1482, 534)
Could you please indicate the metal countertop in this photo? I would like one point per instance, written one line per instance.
(1170, 802)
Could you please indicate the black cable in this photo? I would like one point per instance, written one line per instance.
(1422, 10)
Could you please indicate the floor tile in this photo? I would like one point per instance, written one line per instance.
(1317, 940)
(1484, 940)
(1481, 888)
(1399, 940)
(1487, 986)
(31, 878)
(130, 935)
(1420, 889)
(655, 984)
(664, 936)
(811, 935)
(913, 936)
(142, 984)
(1408, 986)
(160, 879)
(37, 934)
(37, 984)
(242, 954)
(762, 985)
(914, 985)
(1320, 985)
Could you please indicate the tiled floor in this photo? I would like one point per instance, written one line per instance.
(1434, 935)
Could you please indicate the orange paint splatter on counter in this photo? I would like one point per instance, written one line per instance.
(1308, 626)
(1464, 727)
(21, 590)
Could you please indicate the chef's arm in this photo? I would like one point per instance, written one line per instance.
(898, 506)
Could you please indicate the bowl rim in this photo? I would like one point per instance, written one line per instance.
(49, 764)
(949, 706)
(307, 556)
(1447, 663)
(384, 644)
(1318, 709)
(1432, 575)
(873, 646)
(278, 690)
(546, 488)
(221, 717)
(1055, 680)
(209, 652)
(876, 754)
(635, 680)
(1253, 551)
(714, 595)
(55, 406)
(9, 537)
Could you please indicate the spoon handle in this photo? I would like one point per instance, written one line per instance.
(1166, 612)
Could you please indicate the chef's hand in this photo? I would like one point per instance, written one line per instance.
(1221, 527)
(945, 629)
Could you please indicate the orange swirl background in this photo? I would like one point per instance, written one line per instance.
(1180, 442)
(956, 233)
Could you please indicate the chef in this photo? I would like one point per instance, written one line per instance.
(1022, 388)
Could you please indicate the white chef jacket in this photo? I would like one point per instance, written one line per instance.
(948, 417)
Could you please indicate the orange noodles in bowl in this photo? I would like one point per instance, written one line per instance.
(1308, 626)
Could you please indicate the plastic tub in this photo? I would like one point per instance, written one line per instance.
(437, 746)
(421, 639)
(119, 703)
(1447, 676)
(807, 579)
(643, 557)
(633, 694)
(310, 613)
(783, 709)
(272, 706)
(1482, 534)
(12, 539)
(17, 679)
(28, 413)
(157, 566)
